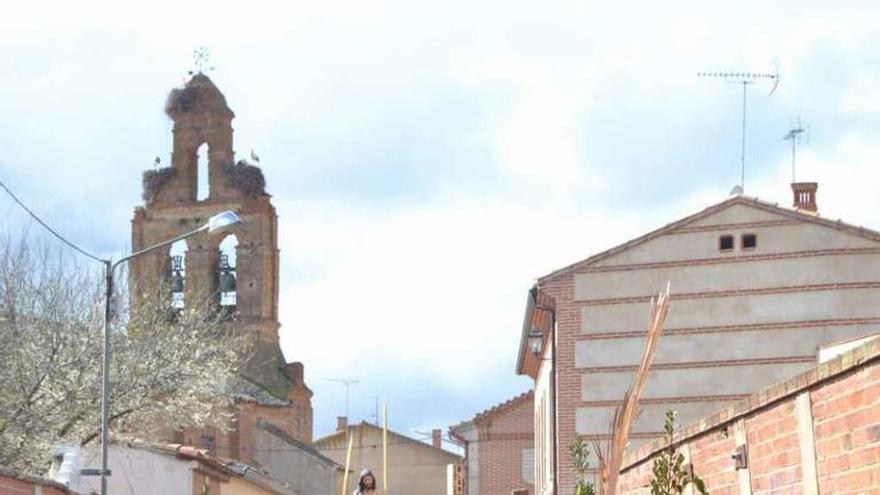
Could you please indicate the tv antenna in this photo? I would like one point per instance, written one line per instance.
(794, 135)
(348, 382)
(745, 79)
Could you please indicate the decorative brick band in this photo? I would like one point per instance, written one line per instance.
(670, 400)
(844, 364)
(650, 435)
(751, 327)
(705, 364)
(722, 260)
(508, 436)
(720, 227)
(736, 292)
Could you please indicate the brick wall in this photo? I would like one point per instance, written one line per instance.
(816, 433)
(732, 332)
(568, 379)
(25, 485)
(176, 209)
(503, 437)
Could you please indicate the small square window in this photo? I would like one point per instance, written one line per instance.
(749, 241)
(725, 243)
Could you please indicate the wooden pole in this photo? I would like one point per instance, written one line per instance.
(347, 463)
(385, 448)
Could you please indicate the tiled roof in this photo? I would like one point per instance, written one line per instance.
(278, 432)
(502, 407)
(494, 410)
(11, 473)
(228, 466)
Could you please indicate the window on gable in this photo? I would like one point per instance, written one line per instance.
(725, 243)
(749, 241)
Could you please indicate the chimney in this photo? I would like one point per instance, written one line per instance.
(296, 372)
(341, 423)
(805, 195)
(437, 438)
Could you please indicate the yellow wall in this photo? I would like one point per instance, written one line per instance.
(240, 486)
(415, 468)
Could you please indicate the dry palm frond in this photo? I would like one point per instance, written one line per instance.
(611, 461)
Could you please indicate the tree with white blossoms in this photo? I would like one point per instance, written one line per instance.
(169, 368)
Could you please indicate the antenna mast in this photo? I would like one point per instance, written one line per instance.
(744, 78)
(794, 135)
(348, 382)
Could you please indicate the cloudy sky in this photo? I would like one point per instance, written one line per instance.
(429, 160)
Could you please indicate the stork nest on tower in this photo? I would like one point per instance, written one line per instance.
(155, 180)
(181, 100)
(247, 178)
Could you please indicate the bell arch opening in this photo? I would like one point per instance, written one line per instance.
(227, 286)
(203, 183)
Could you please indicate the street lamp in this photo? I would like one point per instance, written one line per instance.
(217, 222)
(536, 342)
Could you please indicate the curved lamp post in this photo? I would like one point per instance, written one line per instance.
(217, 222)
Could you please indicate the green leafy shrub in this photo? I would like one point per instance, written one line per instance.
(579, 453)
(670, 476)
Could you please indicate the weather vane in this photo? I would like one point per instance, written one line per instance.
(201, 57)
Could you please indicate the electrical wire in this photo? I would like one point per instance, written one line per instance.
(46, 226)
(354, 447)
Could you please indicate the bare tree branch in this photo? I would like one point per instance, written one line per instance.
(168, 368)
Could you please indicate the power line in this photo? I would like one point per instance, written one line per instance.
(45, 225)
(362, 447)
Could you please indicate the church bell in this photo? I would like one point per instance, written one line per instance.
(227, 275)
(227, 282)
(176, 274)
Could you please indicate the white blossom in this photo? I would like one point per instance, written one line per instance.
(169, 368)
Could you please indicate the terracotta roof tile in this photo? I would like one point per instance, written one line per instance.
(502, 407)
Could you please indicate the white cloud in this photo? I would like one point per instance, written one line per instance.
(437, 287)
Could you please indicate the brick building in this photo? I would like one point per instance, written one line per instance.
(14, 483)
(499, 449)
(757, 289)
(818, 432)
(240, 269)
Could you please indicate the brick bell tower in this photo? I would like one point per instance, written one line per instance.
(241, 268)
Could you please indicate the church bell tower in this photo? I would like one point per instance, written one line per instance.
(241, 267)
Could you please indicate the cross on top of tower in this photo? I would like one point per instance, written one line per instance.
(201, 57)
